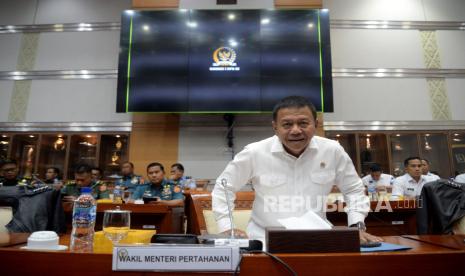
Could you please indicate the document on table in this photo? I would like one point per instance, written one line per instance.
(308, 221)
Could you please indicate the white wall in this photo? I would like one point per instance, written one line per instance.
(391, 99)
(92, 100)
(6, 89)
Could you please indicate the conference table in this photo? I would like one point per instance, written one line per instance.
(430, 255)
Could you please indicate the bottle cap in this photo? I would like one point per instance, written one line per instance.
(86, 190)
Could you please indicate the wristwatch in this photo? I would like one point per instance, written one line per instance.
(360, 225)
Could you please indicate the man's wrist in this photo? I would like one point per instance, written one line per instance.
(359, 225)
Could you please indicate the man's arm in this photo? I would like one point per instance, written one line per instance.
(352, 188)
(237, 173)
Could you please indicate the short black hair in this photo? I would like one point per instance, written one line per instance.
(426, 160)
(127, 162)
(178, 166)
(406, 161)
(375, 168)
(293, 102)
(83, 168)
(154, 164)
(8, 162)
(55, 170)
(98, 169)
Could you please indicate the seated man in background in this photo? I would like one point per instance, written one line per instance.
(158, 186)
(96, 174)
(177, 176)
(9, 172)
(83, 178)
(51, 175)
(51, 178)
(129, 180)
(377, 179)
(409, 185)
(425, 170)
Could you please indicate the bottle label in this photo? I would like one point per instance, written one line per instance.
(84, 213)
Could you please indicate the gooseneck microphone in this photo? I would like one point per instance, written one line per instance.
(224, 183)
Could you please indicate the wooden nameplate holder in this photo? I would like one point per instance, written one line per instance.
(338, 239)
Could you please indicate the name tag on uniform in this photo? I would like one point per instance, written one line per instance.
(175, 258)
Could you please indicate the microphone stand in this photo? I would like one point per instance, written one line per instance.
(224, 183)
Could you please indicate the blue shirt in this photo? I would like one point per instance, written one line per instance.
(167, 190)
(130, 182)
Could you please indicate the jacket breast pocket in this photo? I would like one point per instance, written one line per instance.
(323, 177)
(272, 181)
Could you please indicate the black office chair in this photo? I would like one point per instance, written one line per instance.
(441, 206)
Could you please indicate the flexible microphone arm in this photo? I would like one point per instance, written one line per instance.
(224, 182)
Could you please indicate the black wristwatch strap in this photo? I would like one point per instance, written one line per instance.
(360, 225)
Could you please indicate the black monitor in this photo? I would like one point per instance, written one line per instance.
(223, 61)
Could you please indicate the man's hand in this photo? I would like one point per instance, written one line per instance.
(237, 233)
(365, 237)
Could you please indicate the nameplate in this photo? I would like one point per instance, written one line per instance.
(175, 258)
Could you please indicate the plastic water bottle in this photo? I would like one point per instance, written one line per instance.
(117, 194)
(189, 183)
(372, 192)
(84, 215)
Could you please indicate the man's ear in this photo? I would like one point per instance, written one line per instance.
(316, 123)
(274, 125)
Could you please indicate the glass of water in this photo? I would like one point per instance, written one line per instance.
(116, 224)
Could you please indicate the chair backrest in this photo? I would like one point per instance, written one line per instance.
(204, 221)
(459, 227)
(6, 215)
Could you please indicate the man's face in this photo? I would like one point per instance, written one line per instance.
(83, 179)
(50, 174)
(424, 167)
(126, 169)
(414, 168)
(175, 173)
(375, 175)
(295, 128)
(10, 171)
(155, 174)
(95, 174)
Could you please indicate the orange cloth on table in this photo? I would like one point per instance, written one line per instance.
(103, 245)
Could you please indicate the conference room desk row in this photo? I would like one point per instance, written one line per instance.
(430, 255)
(386, 218)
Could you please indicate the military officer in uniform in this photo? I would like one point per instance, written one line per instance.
(83, 178)
(129, 181)
(158, 186)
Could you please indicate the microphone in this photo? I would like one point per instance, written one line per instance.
(243, 244)
(224, 182)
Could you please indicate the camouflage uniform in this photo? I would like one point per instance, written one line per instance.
(99, 190)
